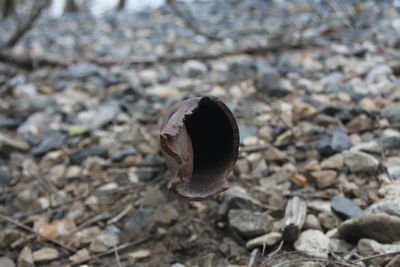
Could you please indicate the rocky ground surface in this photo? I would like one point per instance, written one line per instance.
(319, 118)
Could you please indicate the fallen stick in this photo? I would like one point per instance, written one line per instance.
(23, 226)
(113, 250)
(376, 256)
(295, 215)
(30, 62)
(189, 23)
(37, 9)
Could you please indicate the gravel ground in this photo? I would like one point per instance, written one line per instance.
(314, 88)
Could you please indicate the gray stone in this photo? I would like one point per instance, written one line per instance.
(224, 249)
(319, 205)
(334, 162)
(368, 247)
(11, 144)
(82, 70)
(241, 65)
(73, 171)
(269, 239)
(242, 166)
(344, 113)
(390, 206)
(313, 242)
(103, 242)
(5, 177)
(8, 236)
(380, 227)
(270, 84)
(392, 113)
(92, 151)
(345, 208)
(394, 172)
(265, 133)
(274, 154)
(120, 155)
(25, 258)
(86, 236)
(360, 162)
(8, 122)
(392, 190)
(246, 131)
(260, 169)
(45, 254)
(391, 142)
(140, 220)
(369, 147)
(275, 179)
(202, 261)
(164, 215)
(394, 262)
(149, 175)
(80, 256)
(6, 262)
(312, 222)
(25, 200)
(51, 140)
(95, 119)
(328, 220)
(249, 223)
(138, 254)
(194, 68)
(324, 178)
(235, 199)
(335, 88)
(35, 124)
(148, 76)
(333, 142)
(339, 246)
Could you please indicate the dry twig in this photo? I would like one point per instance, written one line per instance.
(376, 256)
(23, 226)
(113, 250)
(328, 261)
(276, 251)
(189, 23)
(291, 261)
(37, 9)
(117, 256)
(33, 62)
(253, 256)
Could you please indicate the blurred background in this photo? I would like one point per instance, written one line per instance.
(313, 84)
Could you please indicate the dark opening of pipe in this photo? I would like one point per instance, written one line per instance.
(212, 138)
(199, 140)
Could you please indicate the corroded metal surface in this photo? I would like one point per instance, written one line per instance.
(200, 141)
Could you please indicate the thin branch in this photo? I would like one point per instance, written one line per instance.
(189, 23)
(113, 250)
(37, 9)
(377, 256)
(289, 253)
(372, 128)
(28, 62)
(117, 256)
(253, 257)
(33, 62)
(23, 226)
(250, 50)
(276, 251)
(124, 190)
(341, 263)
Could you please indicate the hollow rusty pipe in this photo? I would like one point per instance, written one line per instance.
(199, 140)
